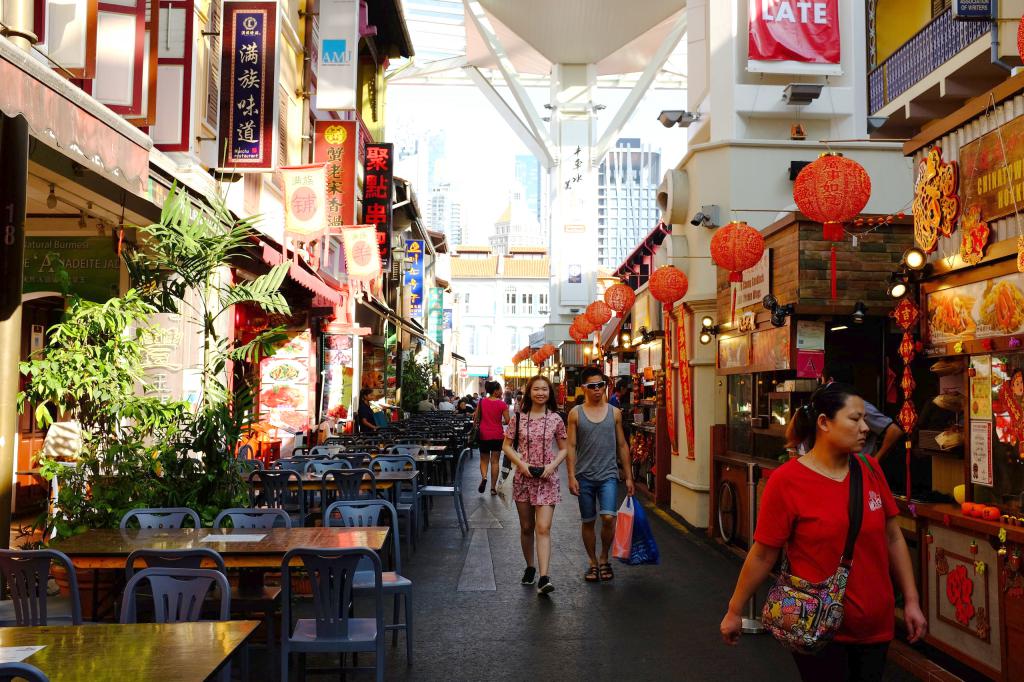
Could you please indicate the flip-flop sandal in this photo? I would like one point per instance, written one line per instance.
(605, 571)
(591, 575)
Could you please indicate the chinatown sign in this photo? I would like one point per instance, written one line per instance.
(248, 116)
(992, 171)
(793, 36)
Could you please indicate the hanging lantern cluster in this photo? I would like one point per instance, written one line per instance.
(832, 190)
(737, 247)
(521, 355)
(619, 298)
(668, 284)
(598, 313)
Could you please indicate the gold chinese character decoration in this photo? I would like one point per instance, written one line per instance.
(936, 204)
(974, 234)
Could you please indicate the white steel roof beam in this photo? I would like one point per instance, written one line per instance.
(640, 89)
(508, 72)
(514, 122)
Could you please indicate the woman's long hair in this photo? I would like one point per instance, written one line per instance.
(492, 387)
(827, 400)
(552, 403)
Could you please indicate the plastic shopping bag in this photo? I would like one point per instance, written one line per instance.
(623, 542)
(506, 476)
(644, 549)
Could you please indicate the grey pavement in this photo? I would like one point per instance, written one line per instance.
(474, 621)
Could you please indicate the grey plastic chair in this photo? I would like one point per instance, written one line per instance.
(332, 573)
(296, 464)
(280, 489)
(452, 491)
(320, 467)
(247, 465)
(244, 452)
(171, 558)
(408, 498)
(21, 671)
(178, 594)
(347, 485)
(364, 515)
(26, 573)
(160, 517)
(243, 517)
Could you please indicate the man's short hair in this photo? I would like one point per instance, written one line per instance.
(622, 385)
(588, 372)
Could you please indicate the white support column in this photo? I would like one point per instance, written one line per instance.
(535, 145)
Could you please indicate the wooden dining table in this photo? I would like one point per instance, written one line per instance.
(240, 548)
(140, 652)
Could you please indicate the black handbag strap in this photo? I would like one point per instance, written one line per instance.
(856, 509)
(515, 442)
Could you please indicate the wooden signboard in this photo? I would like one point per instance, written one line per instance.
(991, 170)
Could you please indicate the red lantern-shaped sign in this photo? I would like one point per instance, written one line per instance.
(598, 313)
(619, 298)
(668, 284)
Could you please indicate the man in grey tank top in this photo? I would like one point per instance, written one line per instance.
(595, 440)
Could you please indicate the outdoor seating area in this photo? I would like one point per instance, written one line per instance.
(307, 568)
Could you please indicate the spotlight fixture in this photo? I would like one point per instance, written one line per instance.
(914, 258)
(708, 329)
(780, 313)
(706, 216)
(798, 94)
(51, 198)
(770, 302)
(896, 289)
(859, 311)
(706, 321)
(677, 117)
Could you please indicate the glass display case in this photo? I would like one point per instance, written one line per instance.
(740, 405)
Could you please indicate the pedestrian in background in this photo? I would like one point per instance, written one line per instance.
(595, 439)
(490, 417)
(535, 444)
(806, 508)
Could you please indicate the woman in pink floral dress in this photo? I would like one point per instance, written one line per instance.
(529, 438)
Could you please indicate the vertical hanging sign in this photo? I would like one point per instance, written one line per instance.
(335, 143)
(435, 314)
(338, 40)
(413, 278)
(248, 85)
(377, 196)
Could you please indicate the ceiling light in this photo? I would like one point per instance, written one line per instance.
(707, 321)
(51, 199)
(705, 338)
(914, 258)
(801, 93)
(838, 328)
(859, 311)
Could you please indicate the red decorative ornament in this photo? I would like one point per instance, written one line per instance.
(906, 314)
(668, 284)
(907, 383)
(736, 247)
(619, 297)
(1020, 38)
(907, 416)
(832, 190)
(598, 313)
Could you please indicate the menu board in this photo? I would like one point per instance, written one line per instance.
(981, 453)
(979, 310)
(734, 351)
(981, 387)
(338, 376)
(284, 386)
(771, 349)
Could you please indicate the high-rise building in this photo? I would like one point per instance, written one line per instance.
(627, 183)
(517, 226)
(445, 213)
(528, 177)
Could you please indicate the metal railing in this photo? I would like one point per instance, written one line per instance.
(927, 50)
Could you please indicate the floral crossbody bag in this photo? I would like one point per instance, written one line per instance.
(805, 616)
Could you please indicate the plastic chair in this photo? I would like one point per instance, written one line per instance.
(246, 466)
(332, 573)
(21, 671)
(408, 500)
(348, 484)
(27, 573)
(296, 464)
(364, 515)
(172, 558)
(453, 491)
(178, 594)
(320, 467)
(323, 451)
(245, 452)
(280, 489)
(160, 517)
(244, 517)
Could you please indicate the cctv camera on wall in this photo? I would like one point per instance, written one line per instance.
(706, 216)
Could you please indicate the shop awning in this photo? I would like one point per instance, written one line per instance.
(408, 325)
(62, 116)
(303, 276)
(611, 330)
(571, 354)
(458, 357)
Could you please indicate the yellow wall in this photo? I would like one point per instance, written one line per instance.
(896, 21)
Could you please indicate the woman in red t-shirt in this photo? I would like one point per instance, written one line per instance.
(805, 508)
(491, 417)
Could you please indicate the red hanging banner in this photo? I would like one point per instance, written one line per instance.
(685, 380)
(804, 31)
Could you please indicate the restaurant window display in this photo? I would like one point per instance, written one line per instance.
(285, 386)
(338, 376)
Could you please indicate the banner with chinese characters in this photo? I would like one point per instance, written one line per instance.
(335, 143)
(361, 260)
(791, 36)
(435, 314)
(337, 68)
(413, 277)
(304, 200)
(248, 117)
(379, 166)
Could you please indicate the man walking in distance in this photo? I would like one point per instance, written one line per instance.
(595, 437)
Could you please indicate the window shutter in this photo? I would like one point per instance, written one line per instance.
(213, 28)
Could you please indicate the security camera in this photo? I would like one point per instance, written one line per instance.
(698, 219)
(706, 216)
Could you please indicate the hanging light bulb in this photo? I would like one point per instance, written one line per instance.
(51, 198)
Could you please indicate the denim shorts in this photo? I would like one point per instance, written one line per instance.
(597, 497)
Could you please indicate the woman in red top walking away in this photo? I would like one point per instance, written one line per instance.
(491, 417)
(805, 509)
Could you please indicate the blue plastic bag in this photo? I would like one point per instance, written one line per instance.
(645, 549)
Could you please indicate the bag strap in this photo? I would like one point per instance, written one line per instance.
(515, 442)
(856, 509)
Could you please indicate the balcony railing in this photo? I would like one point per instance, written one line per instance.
(930, 48)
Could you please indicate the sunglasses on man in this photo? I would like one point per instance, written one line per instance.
(595, 385)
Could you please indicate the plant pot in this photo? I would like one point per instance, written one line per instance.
(97, 588)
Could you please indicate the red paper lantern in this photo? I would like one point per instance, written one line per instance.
(585, 326)
(668, 284)
(619, 297)
(537, 358)
(549, 349)
(737, 247)
(598, 313)
(831, 191)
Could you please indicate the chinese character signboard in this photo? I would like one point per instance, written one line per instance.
(413, 277)
(339, 38)
(304, 188)
(377, 196)
(787, 36)
(435, 314)
(335, 143)
(249, 85)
